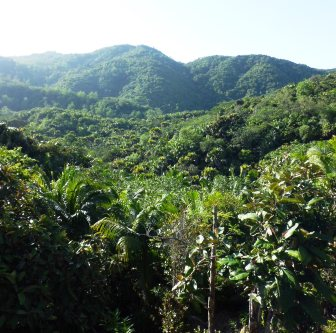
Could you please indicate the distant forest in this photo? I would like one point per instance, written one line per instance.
(140, 75)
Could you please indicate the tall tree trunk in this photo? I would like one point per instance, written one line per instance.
(269, 321)
(253, 316)
(212, 276)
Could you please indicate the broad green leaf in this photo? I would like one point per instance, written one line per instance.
(313, 202)
(286, 294)
(278, 250)
(248, 216)
(193, 251)
(227, 245)
(290, 276)
(305, 257)
(194, 284)
(169, 208)
(306, 233)
(301, 254)
(240, 276)
(293, 253)
(187, 270)
(291, 231)
(320, 254)
(228, 261)
(11, 277)
(258, 242)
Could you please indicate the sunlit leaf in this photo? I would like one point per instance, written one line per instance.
(199, 239)
(291, 231)
(294, 253)
(255, 297)
(313, 202)
(240, 276)
(248, 216)
(228, 261)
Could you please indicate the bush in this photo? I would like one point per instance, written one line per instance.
(48, 283)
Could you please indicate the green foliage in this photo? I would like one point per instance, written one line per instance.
(221, 139)
(282, 261)
(143, 75)
(18, 96)
(48, 283)
(106, 214)
(16, 200)
(330, 327)
(173, 314)
(235, 77)
(52, 156)
(76, 201)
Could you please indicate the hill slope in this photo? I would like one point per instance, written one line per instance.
(148, 77)
(229, 78)
(229, 135)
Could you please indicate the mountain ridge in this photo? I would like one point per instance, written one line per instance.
(149, 77)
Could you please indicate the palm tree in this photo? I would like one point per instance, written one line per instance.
(76, 201)
(132, 234)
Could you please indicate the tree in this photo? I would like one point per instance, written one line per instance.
(76, 201)
(290, 219)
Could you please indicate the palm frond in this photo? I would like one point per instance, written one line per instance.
(110, 228)
(129, 247)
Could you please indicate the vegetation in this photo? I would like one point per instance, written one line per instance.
(199, 143)
(142, 75)
(116, 216)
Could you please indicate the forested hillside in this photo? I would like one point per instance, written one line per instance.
(227, 136)
(117, 216)
(143, 75)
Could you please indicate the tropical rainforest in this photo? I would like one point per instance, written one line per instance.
(139, 194)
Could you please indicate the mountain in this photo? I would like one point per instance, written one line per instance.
(148, 77)
(142, 74)
(228, 78)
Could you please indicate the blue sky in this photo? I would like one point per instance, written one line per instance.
(302, 31)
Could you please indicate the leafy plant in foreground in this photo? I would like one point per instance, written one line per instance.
(282, 264)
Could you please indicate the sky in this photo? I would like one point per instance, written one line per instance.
(302, 31)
